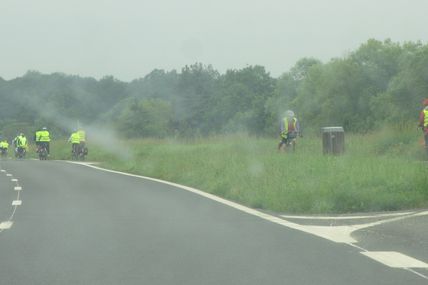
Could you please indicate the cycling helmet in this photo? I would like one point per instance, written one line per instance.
(425, 102)
(44, 128)
(289, 114)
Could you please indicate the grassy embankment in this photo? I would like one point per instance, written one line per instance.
(382, 171)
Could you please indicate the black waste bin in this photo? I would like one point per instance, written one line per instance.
(333, 140)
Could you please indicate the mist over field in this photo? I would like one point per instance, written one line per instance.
(380, 83)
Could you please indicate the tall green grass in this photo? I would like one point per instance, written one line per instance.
(378, 172)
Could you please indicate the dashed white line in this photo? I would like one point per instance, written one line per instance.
(16, 202)
(6, 225)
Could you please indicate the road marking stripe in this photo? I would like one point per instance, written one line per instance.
(395, 259)
(343, 234)
(6, 225)
(346, 217)
(417, 273)
(339, 234)
(314, 230)
(15, 203)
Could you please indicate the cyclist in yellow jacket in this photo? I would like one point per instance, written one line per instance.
(289, 129)
(4, 145)
(21, 145)
(75, 143)
(43, 138)
(423, 122)
(82, 135)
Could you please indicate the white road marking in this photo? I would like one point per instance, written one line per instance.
(6, 225)
(342, 234)
(395, 259)
(346, 217)
(339, 234)
(417, 273)
(424, 213)
(15, 203)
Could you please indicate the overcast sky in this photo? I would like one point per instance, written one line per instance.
(130, 38)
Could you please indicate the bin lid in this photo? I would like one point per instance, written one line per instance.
(332, 129)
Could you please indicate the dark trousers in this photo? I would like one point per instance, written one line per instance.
(75, 148)
(46, 144)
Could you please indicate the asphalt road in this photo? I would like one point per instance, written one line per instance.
(79, 225)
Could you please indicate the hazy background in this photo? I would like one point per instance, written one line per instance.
(130, 38)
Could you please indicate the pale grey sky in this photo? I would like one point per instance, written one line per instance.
(130, 38)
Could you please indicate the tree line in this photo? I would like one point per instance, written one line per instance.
(382, 82)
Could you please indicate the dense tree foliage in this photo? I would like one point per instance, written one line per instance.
(381, 82)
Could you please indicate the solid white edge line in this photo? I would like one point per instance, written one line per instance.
(338, 235)
(417, 273)
(346, 217)
(395, 259)
(223, 201)
(237, 206)
(274, 219)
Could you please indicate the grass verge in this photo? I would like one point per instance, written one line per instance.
(378, 172)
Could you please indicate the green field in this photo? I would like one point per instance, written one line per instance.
(378, 172)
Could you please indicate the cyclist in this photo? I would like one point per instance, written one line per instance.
(83, 147)
(20, 143)
(75, 143)
(82, 135)
(289, 129)
(423, 121)
(43, 138)
(4, 145)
